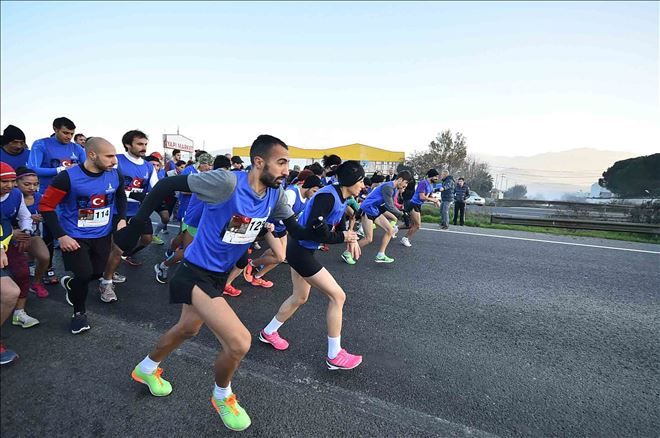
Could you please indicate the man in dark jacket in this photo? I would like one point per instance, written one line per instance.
(446, 196)
(461, 193)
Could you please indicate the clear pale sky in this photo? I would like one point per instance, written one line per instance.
(516, 78)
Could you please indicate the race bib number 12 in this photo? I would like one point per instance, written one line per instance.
(241, 229)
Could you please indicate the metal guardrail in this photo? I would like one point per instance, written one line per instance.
(623, 208)
(577, 224)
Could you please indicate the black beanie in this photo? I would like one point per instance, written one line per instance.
(349, 172)
(12, 133)
(312, 181)
(431, 173)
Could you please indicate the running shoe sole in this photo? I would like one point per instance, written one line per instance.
(157, 277)
(82, 329)
(383, 261)
(66, 279)
(266, 341)
(335, 367)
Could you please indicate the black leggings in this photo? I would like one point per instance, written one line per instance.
(48, 240)
(86, 263)
(301, 259)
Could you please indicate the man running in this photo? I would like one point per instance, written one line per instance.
(414, 206)
(379, 201)
(238, 204)
(87, 196)
(139, 177)
(48, 157)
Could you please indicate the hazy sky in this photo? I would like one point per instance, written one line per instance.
(516, 78)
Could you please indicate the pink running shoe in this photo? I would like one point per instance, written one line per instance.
(275, 340)
(343, 361)
(247, 272)
(39, 289)
(256, 281)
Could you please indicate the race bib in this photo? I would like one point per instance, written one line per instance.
(241, 229)
(88, 218)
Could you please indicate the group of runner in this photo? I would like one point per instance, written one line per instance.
(97, 205)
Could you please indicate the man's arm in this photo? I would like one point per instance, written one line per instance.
(388, 196)
(317, 232)
(212, 187)
(36, 157)
(55, 193)
(120, 198)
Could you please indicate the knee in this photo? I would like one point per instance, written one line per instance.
(239, 345)
(299, 299)
(10, 293)
(338, 296)
(368, 239)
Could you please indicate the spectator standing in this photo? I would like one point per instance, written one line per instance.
(446, 197)
(461, 193)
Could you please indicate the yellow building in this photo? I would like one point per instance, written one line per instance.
(372, 158)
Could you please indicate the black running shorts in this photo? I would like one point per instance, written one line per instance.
(409, 206)
(301, 259)
(94, 251)
(188, 276)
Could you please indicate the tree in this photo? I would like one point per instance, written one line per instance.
(633, 177)
(516, 192)
(476, 175)
(444, 152)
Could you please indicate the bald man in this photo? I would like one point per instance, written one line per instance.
(89, 196)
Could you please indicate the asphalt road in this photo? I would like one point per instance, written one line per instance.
(468, 333)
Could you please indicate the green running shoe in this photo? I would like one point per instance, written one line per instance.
(231, 413)
(157, 385)
(348, 258)
(384, 259)
(157, 240)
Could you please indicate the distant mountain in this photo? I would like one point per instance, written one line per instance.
(551, 175)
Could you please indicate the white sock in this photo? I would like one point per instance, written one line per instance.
(104, 281)
(148, 366)
(334, 346)
(162, 266)
(221, 393)
(380, 254)
(273, 326)
(19, 311)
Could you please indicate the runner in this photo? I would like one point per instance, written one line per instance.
(237, 207)
(162, 209)
(28, 183)
(296, 198)
(13, 209)
(9, 291)
(307, 272)
(87, 196)
(414, 206)
(48, 157)
(379, 201)
(189, 224)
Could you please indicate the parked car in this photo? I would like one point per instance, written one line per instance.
(475, 199)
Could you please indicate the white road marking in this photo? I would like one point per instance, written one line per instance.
(543, 241)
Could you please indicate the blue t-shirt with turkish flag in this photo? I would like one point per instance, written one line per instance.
(86, 212)
(136, 180)
(227, 229)
(184, 199)
(47, 154)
